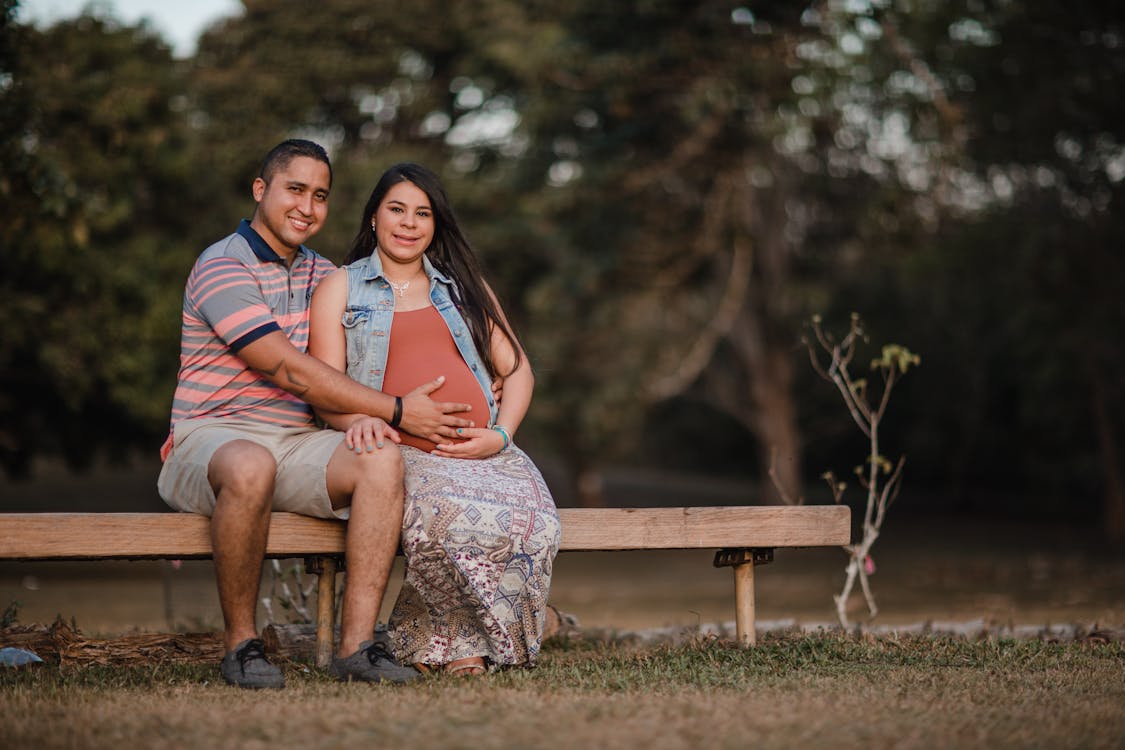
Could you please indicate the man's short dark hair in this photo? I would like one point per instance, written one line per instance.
(280, 155)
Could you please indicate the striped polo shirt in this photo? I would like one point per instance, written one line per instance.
(239, 291)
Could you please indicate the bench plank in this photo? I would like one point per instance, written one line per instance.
(704, 528)
(140, 536)
(136, 536)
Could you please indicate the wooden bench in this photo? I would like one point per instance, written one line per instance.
(744, 536)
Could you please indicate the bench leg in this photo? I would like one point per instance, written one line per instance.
(744, 604)
(325, 569)
(743, 561)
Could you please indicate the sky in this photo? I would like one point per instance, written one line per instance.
(178, 21)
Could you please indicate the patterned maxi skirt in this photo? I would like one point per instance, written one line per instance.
(480, 538)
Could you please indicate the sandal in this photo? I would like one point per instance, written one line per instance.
(470, 667)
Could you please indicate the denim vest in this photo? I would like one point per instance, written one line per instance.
(370, 312)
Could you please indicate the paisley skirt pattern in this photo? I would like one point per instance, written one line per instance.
(480, 538)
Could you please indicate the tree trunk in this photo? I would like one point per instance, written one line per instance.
(768, 361)
(769, 408)
(779, 440)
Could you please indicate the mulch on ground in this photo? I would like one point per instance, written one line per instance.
(63, 644)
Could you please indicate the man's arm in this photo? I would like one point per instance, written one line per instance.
(324, 387)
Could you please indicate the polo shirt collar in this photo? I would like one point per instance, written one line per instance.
(260, 247)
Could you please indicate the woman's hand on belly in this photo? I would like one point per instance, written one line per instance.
(367, 434)
(478, 443)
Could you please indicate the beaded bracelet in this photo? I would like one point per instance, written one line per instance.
(504, 433)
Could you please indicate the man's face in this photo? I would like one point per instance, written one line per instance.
(293, 205)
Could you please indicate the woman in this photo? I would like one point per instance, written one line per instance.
(480, 530)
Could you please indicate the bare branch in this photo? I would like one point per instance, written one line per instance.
(841, 599)
(815, 362)
(889, 377)
(890, 491)
(879, 498)
(697, 358)
(824, 341)
(836, 372)
(866, 586)
(723, 201)
(949, 112)
(688, 150)
(856, 408)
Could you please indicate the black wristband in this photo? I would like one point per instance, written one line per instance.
(397, 416)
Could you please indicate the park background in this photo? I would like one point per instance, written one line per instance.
(663, 194)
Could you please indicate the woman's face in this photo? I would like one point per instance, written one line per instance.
(403, 224)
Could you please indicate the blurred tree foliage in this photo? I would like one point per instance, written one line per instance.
(706, 173)
(95, 216)
(662, 191)
(1020, 289)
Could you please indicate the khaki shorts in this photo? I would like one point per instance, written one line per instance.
(301, 453)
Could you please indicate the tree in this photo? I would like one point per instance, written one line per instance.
(95, 216)
(1055, 161)
(1016, 294)
(702, 174)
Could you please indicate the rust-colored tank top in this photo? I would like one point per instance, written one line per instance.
(420, 349)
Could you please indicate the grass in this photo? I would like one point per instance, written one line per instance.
(822, 690)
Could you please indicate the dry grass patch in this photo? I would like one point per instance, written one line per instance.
(790, 691)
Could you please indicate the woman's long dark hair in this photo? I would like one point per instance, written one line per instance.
(450, 252)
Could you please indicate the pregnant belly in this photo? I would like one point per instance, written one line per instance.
(420, 353)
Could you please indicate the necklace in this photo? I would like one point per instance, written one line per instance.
(400, 289)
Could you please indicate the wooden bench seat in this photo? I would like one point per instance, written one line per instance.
(742, 536)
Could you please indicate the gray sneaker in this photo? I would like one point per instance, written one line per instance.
(247, 667)
(371, 663)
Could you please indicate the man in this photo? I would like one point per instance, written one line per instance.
(243, 441)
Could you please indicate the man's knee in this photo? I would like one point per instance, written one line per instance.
(243, 469)
(349, 472)
(382, 466)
